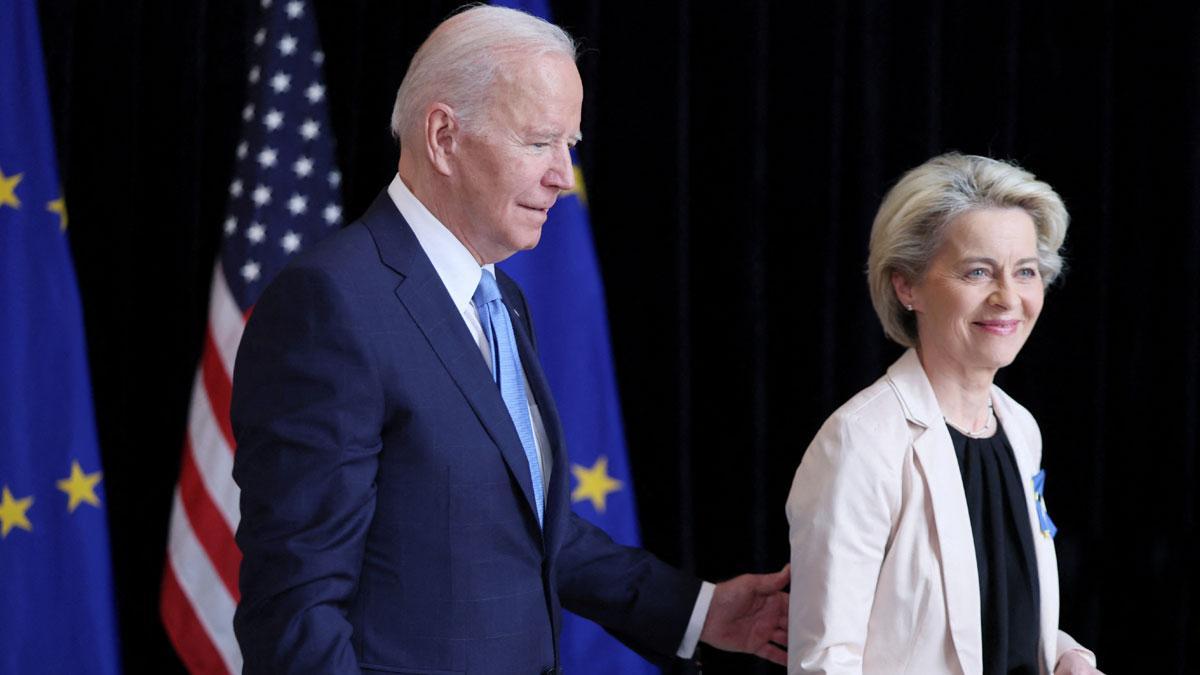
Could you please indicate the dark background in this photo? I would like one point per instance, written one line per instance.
(735, 156)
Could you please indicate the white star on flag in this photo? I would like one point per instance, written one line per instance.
(267, 158)
(248, 112)
(230, 225)
(335, 178)
(295, 10)
(235, 188)
(287, 45)
(262, 195)
(318, 57)
(254, 74)
(303, 167)
(332, 213)
(290, 242)
(281, 82)
(242, 149)
(260, 37)
(314, 93)
(310, 130)
(255, 233)
(297, 205)
(250, 271)
(273, 119)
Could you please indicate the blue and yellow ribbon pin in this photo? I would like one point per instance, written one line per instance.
(1047, 525)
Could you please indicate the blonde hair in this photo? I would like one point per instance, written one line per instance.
(911, 222)
(461, 58)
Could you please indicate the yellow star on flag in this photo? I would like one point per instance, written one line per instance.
(8, 190)
(12, 513)
(594, 483)
(80, 487)
(59, 206)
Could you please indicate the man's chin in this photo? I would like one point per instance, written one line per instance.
(532, 241)
(530, 234)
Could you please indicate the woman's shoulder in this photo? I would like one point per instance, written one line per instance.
(872, 422)
(875, 407)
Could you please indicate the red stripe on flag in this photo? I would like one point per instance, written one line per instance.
(207, 522)
(192, 642)
(218, 385)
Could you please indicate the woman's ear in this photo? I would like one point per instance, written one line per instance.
(904, 291)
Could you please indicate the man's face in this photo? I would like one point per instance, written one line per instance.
(512, 168)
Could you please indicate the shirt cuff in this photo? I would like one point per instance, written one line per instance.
(696, 624)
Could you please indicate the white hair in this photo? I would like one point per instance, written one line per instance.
(912, 220)
(461, 58)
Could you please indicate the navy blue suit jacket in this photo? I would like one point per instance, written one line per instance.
(387, 518)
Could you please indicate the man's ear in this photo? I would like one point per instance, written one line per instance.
(904, 290)
(442, 132)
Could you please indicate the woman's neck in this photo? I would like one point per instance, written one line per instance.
(963, 394)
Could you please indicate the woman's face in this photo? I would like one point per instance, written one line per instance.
(982, 293)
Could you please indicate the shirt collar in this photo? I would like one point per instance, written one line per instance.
(454, 264)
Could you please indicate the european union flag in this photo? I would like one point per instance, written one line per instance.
(561, 280)
(56, 612)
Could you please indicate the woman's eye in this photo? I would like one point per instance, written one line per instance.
(1027, 273)
(977, 273)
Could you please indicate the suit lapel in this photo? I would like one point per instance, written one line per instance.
(556, 487)
(952, 522)
(425, 298)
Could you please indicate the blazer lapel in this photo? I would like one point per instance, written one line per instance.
(1026, 445)
(952, 522)
(424, 295)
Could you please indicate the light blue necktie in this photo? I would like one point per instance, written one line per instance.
(507, 372)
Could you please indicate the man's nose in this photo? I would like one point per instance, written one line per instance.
(562, 172)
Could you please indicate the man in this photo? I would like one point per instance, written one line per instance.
(404, 500)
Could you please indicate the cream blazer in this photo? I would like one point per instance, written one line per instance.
(883, 561)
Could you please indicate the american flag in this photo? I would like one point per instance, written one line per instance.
(284, 196)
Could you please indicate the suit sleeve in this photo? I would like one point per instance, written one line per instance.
(640, 600)
(307, 413)
(636, 597)
(840, 518)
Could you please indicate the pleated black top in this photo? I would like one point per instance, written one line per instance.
(1004, 554)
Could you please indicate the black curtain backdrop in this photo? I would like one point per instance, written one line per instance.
(735, 156)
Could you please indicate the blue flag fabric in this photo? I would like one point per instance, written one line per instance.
(561, 280)
(56, 612)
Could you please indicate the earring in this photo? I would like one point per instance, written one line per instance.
(908, 307)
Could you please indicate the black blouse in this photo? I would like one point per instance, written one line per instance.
(1004, 554)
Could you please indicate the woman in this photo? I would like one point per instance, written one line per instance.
(920, 541)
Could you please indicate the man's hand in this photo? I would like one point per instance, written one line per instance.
(1071, 663)
(750, 614)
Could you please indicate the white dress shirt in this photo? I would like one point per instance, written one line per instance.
(460, 274)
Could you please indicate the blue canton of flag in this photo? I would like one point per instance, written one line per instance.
(57, 611)
(561, 280)
(285, 190)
